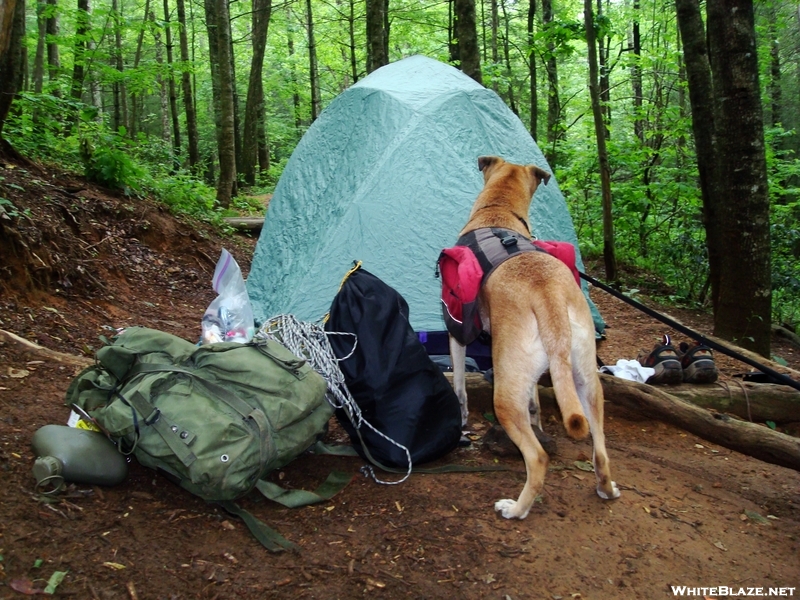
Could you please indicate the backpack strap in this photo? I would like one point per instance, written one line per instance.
(266, 536)
(336, 482)
(169, 431)
(232, 400)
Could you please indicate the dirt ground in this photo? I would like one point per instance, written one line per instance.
(77, 261)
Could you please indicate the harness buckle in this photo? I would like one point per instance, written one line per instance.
(508, 241)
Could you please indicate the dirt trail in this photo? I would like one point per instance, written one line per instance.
(691, 513)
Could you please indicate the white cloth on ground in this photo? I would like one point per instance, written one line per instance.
(630, 370)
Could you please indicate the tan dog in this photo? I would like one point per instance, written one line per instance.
(539, 320)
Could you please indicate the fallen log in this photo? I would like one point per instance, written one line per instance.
(249, 224)
(783, 332)
(36, 349)
(649, 401)
(748, 438)
(750, 401)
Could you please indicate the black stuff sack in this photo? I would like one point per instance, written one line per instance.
(400, 391)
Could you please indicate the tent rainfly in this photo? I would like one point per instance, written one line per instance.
(387, 175)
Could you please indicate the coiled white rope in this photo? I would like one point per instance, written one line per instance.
(310, 341)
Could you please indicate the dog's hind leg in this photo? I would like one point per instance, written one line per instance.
(458, 357)
(513, 378)
(591, 393)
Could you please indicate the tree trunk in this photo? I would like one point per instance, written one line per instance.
(512, 103)
(120, 116)
(312, 63)
(237, 136)
(26, 76)
(701, 100)
(254, 107)
(166, 134)
(94, 84)
(604, 80)
(38, 60)
(534, 104)
(263, 138)
(219, 43)
(12, 34)
(775, 70)
(609, 253)
(351, 32)
(469, 54)
(173, 95)
(188, 96)
(53, 60)
(81, 33)
(636, 76)
(376, 56)
(386, 26)
(295, 86)
(553, 101)
(452, 41)
(743, 298)
(493, 40)
(134, 123)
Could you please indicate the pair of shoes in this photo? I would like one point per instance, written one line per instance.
(697, 362)
(666, 361)
(685, 364)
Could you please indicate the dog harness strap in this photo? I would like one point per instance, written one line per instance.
(493, 246)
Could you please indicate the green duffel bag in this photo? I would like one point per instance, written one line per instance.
(215, 419)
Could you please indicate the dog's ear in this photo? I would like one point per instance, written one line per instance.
(487, 164)
(484, 162)
(540, 175)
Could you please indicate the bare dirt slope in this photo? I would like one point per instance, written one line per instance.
(691, 513)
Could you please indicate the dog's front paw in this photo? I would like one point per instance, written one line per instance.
(606, 496)
(509, 509)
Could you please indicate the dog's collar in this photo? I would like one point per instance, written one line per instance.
(521, 219)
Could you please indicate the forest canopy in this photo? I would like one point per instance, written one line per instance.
(201, 104)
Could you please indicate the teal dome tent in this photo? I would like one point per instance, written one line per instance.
(387, 175)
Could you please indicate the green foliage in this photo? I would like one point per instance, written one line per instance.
(656, 198)
(106, 158)
(183, 194)
(8, 209)
(248, 204)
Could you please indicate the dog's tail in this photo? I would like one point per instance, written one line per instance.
(575, 421)
(558, 347)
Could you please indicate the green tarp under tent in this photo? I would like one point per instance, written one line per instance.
(387, 175)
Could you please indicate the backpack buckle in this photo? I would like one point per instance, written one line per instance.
(153, 417)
